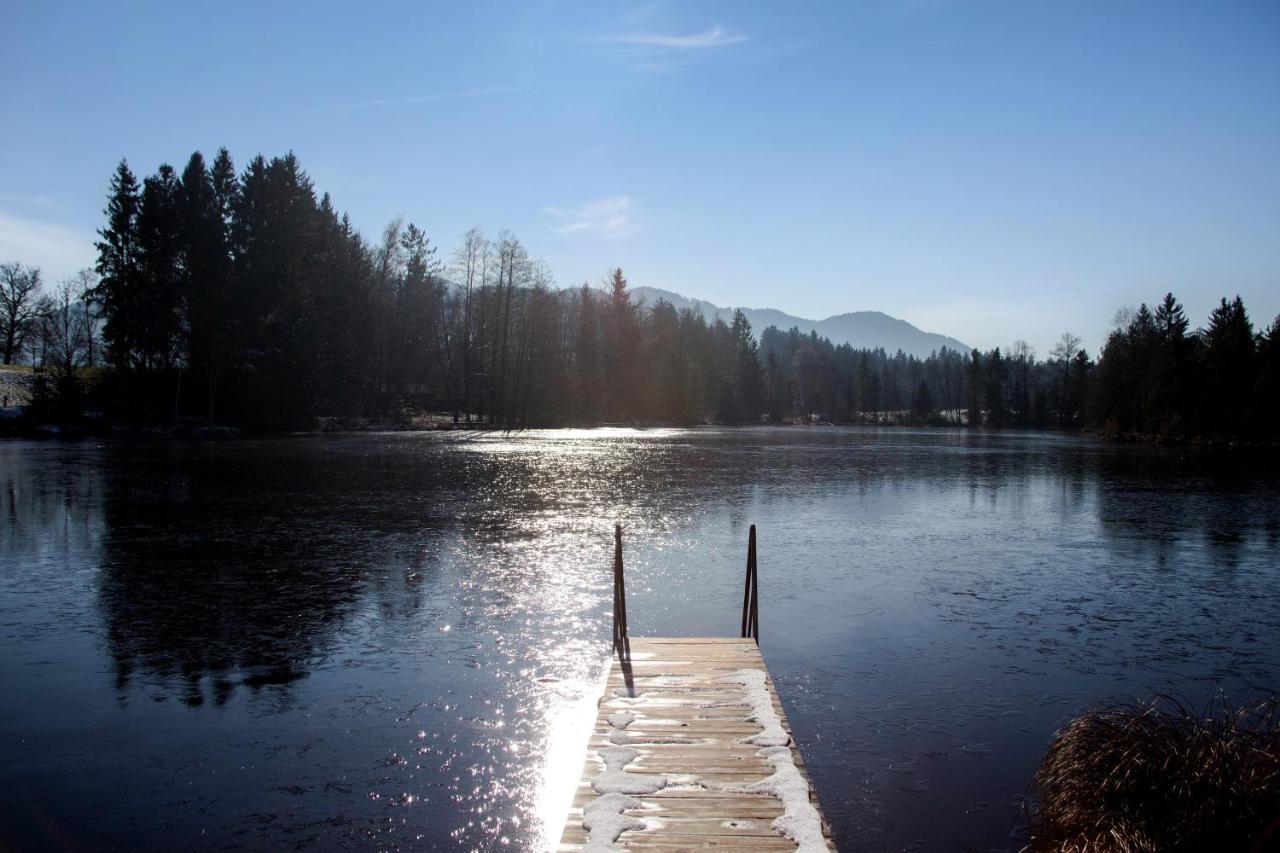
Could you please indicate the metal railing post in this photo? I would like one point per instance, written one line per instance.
(619, 590)
(751, 593)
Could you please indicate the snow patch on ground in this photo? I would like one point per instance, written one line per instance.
(616, 780)
(603, 818)
(757, 696)
(621, 719)
(621, 738)
(604, 821)
(800, 820)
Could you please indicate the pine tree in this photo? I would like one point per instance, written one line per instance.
(160, 263)
(1269, 378)
(589, 370)
(923, 403)
(975, 388)
(1170, 320)
(279, 265)
(419, 305)
(622, 350)
(1077, 399)
(207, 273)
(748, 390)
(1169, 368)
(118, 270)
(994, 388)
(1229, 370)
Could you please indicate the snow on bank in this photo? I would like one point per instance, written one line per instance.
(757, 696)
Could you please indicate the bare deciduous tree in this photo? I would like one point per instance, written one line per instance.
(470, 265)
(65, 329)
(1066, 347)
(1065, 350)
(83, 283)
(19, 286)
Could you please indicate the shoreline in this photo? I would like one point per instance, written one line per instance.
(198, 432)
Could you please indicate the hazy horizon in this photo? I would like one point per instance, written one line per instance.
(984, 171)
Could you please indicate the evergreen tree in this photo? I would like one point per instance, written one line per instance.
(1229, 350)
(1169, 409)
(994, 388)
(118, 271)
(161, 270)
(776, 391)
(275, 239)
(923, 402)
(975, 388)
(747, 389)
(1077, 398)
(665, 353)
(418, 308)
(588, 393)
(621, 367)
(202, 200)
(1269, 378)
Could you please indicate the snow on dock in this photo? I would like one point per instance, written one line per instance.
(691, 751)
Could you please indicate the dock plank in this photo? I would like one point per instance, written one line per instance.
(689, 725)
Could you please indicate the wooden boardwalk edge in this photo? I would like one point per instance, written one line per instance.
(675, 703)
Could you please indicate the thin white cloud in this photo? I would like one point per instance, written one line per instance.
(59, 251)
(609, 217)
(714, 37)
(436, 97)
(36, 201)
(641, 12)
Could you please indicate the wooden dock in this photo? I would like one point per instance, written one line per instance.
(691, 749)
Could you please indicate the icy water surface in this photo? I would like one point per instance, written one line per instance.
(394, 641)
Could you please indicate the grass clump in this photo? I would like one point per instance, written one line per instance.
(1160, 776)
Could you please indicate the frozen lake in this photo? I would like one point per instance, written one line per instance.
(392, 641)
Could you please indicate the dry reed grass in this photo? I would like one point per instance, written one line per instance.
(1161, 776)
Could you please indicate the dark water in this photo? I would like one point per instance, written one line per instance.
(394, 641)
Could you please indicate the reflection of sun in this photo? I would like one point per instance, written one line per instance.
(570, 719)
(545, 447)
(547, 513)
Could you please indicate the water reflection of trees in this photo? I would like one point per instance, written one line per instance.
(1152, 504)
(181, 609)
(242, 564)
(50, 505)
(225, 568)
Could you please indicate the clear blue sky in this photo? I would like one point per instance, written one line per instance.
(992, 171)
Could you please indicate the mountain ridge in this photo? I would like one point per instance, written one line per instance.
(859, 329)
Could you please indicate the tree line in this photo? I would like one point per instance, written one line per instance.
(243, 297)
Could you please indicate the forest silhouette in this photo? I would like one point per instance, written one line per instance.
(247, 299)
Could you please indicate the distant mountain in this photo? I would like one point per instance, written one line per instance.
(859, 329)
